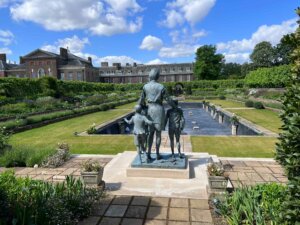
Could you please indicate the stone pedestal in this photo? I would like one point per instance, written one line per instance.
(167, 167)
(234, 129)
(221, 118)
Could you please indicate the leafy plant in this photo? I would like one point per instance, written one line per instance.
(4, 138)
(234, 119)
(288, 149)
(258, 105)
(260, 204)
(92, 129)
(215, 169)
(249, 103)
(91, 166)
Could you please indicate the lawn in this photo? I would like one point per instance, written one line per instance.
(227, 104)
(263, 117)
(48, 136)
(260, 147)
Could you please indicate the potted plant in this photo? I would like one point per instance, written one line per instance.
(92, 129)
(216, 178)
(234, 124)
(92, 172)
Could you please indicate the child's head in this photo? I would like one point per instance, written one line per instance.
(138, 108)
(175, 102)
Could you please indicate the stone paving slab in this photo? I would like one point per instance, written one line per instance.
(251, 172)
(157, 211)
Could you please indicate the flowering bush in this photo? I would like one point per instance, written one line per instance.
(92, 129)
(215, 169)
(91, 166)
(60, 157)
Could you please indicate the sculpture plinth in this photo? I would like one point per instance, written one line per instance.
(166, 162)
(163, 168)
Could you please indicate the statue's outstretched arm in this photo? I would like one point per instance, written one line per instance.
(129, 121)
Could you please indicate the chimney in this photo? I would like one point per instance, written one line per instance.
(134, 64)
(90, 59)
(63, 53)
(21, 60)
(3, 57)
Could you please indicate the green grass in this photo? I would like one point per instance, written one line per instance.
(48, 136)
(263, 117)
(227, 103)
(260, 147)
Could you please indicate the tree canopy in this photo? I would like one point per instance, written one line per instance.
(208, 64)
(263, 54)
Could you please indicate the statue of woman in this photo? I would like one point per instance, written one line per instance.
(153, 95)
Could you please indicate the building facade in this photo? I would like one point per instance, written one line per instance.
(39, 63)
(139, 73)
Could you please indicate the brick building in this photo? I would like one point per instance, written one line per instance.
(39, 63)
(139, 73)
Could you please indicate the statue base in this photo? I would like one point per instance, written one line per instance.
(166, 167)
(166, 161)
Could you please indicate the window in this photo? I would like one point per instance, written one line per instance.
(70, 76)
(41, 72)
(62, 76)
(79, 76)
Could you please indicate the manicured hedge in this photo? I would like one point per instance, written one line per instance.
(274, 77)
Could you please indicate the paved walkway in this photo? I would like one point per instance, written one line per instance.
(136, 210)
(251, 172)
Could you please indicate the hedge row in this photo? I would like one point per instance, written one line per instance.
(44, 119)
(274, 77)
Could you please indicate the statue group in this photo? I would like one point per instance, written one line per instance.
(150, 119)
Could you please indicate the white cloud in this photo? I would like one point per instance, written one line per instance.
(118, 59)
(199, 34)
(237, 57)
(178, 50)
(100, 17)
(238, 50)
(5, 50)
(191, 11)
(74, 44)
(5, 3)
(6, 37)
(151, 43)
(156, 62)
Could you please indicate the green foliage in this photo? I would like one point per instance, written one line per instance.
(269, 77)
(4, 137)
(92, 129)
(231, 70)
(249, 103)
(20, 156)
(208, 63)
(37, 202)
(284, 49)
(258, 105)
(260, 204)
(288, 149)
(263, 54)
(91, 166)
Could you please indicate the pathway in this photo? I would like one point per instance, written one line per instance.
(137, 210)
(251, 172)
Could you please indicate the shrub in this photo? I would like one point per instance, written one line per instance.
(92, 129)
(38, 202)
(4, 138)
(288, 149)
(258, 105)
(260, 204)
(222, 97)
(20, 156)
(249, 103)
(61, 155)
(269, 77)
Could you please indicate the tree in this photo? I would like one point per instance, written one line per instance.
(231, 70)
(284, 49)
(246, 68)
(208, 63)
(263, 54)
(288, 149)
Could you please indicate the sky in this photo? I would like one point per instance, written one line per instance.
(143, 31)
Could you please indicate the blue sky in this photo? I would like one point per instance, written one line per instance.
(143, 31)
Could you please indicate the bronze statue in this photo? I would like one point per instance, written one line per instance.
(176, 125)
(140, 121)
(153, 95)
